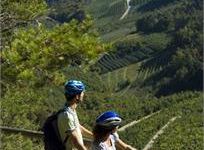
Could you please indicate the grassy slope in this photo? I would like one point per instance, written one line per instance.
(184, 133)
(107, 15)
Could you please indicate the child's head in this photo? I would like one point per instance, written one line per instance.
(106, 124)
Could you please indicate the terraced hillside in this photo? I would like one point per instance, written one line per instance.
(126, 80)
(168, 42)
(131, 49)
(131, 46)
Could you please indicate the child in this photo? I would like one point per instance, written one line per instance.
(105, 135)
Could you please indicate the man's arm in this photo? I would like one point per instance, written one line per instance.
(123, 145)
(86, 132)
(76, 141)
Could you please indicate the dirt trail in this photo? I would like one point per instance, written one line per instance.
(127, 10)
(161, 131)
(135, 122)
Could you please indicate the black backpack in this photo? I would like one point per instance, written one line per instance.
(52, 140)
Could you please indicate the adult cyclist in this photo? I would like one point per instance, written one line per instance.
(68, 123)
(105, 135)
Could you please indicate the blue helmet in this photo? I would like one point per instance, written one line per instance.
(108, 119)
(74, 87)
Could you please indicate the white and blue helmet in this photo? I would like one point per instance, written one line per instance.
(108, 119)
(74, 87)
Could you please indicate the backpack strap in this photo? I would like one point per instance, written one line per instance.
(57, 129)
(66, 138)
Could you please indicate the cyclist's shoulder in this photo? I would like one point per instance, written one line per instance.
(66, 114)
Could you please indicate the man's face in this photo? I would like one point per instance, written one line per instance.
(80, 97)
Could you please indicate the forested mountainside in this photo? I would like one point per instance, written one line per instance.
(142, 58)
(167, 38)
